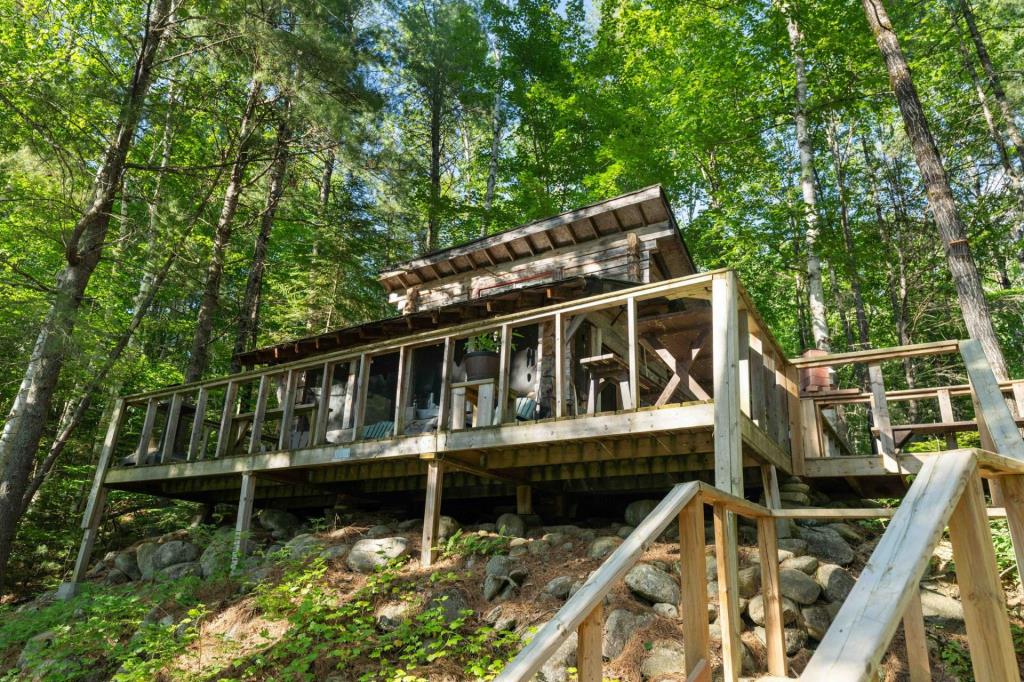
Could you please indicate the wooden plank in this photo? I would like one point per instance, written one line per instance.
(432, 511)
(323, 411)
(69, 589)
(725, 358)
(243, 521)
(693, 601)
(633, 352)
(880, 410)
(504, 371)
(988, 629)
(768, 550)
(524, 499)
(560, 351)
(946, 415)
(860, 633)
(588, 645)
(743, 362)
(227, 415)
(485, 404)
(994, 412)
(547, 640)
(447, 367)
(284, 440)
(146, 434)
(916, 641)
(876, 354)
(171, 427)
(362, 386)
(772, 498)
(259, 413)
(728, 593)
(789, 378)
(756, 373)
(402, 390)
(198, 424)
(348, 409)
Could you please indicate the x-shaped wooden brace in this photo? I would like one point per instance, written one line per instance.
(680, 378)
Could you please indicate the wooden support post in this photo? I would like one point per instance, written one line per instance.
(588, 645)
(402, 391)
(728, 592)
(444, 406)
(916, 642)
(362, 385)
(284, 440)
(259, 414)
(458, 402)
(559, 365)
(772, 498)
(323, 411)
(147, 430)
(484, 405)
(97, 501)
(351, 387)
(226, 417)
(171, 427)
(775, 641)
(693, 601)
(633, 350)
(524, 499)
(946, 415)
(880, 411)
(243, 522)
(1010, 491)
(195, 441)
(504, 371)
(759, 397)
(988, 630)
(432, 511)
(798, 435)
(743, 361)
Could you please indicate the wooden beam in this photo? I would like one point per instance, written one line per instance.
(916, 641)
(524, 499)
(504, 372)
(362, 387)
(775, 641)
(588, 645)
(227, 415)
(258, 415)
(432, 512)
(560, 365)
(402, 390)
(988, 629)
(877, 354)
(198, 424)
(323, 412)
(243, 522)
(291, 383)
(728, 596)
(994, 412)
(693, 601)
(725, 345)
(633, 352)
(880, 410)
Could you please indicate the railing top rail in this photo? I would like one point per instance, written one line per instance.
(855, 395)
(681, 287)
(877, 354)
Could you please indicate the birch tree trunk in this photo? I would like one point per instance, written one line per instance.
(815, 286)
(199, 357)
(27, 417)
(492, 166)
(248, 320)
(961, 263)
(434, 207)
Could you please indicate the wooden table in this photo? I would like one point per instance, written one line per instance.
(479, 394)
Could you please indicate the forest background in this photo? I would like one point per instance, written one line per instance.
(181, 180)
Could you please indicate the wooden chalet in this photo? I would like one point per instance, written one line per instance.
(574, 358)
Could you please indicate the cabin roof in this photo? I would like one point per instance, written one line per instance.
(628, 211)
(478, 308)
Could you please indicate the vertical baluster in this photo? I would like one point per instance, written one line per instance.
(259, 413)
(559, 365)
(351, 385)
(633, 350)
(402, 390)
(195, 443)
(880, 411)
(171, 427)
(227, 416)
(147, 431)
(588, 645)
(504, 369)
(323, 409)
(444, 406)
(362, 385)
(284, 440)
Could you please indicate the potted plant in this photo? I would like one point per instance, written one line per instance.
(481, 359)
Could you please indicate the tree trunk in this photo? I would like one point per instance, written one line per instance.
(815, 286)
(248, 320)
(492, 166)
(962, 267)
(27, 418)
(1012, 131)
(434, 207)
(199, 357)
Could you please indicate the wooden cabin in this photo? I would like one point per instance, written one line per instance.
(575, 361)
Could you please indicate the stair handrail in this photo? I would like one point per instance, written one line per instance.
(549, 638)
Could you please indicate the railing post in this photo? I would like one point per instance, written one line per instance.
(504, 368)
(693, 601)
(171, 428)
(946, 414)
(768, 550)
(559, 365)
(916, 641)
(284, 439)
(633, 351)
(147, 430)
(880, 411)
(588, 645)
(988, 630)
(227, 416)
(728, 597)
(432, 510)
(759, 398)
(444, 406)
(243, 522)
(96, 503)
(351, 386)
(259, 413)
(743, 361)
(402, 390)
(362, 385)
(323, 411)
(195, 441)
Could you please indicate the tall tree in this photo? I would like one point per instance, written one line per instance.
(27, 417)
(974, 307)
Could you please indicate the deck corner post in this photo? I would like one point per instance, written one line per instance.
(243, 521)
(432, 510)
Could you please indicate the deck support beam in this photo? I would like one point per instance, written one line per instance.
(243, 522)
(432, 511)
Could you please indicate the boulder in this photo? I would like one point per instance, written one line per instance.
(670, 611)
(173, 553)
(816, 621)
(795, 488)
(559, 587)
(35, 646)
(836, 582)
(795, 497)
(216, 558)
(185, 569)
(280, 523)
(511, 525)
(557, 667)
(795, 546)
(624, 531)
(303, 545)
(939, 606)
(335, 552)
(619, 626)
(755, 609)
(452, 603)
(390, 615)
(825, 543)
(378, 531)
(638, 511)
(798, 586)
(447, 527)
(710, 567)
(749, 581)
(127, 564)
(603, 546)
(805, 564)
(847, 532)
(795, 638)
(502, 575)
(370, 553)
(115, 577)
(665, 658)
(144, 558)
(653, 584)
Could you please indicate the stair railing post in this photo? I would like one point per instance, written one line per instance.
(693, 583)
(588, 645)
(916, 641)
(775, 637)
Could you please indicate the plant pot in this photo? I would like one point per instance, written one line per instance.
(481, 364)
